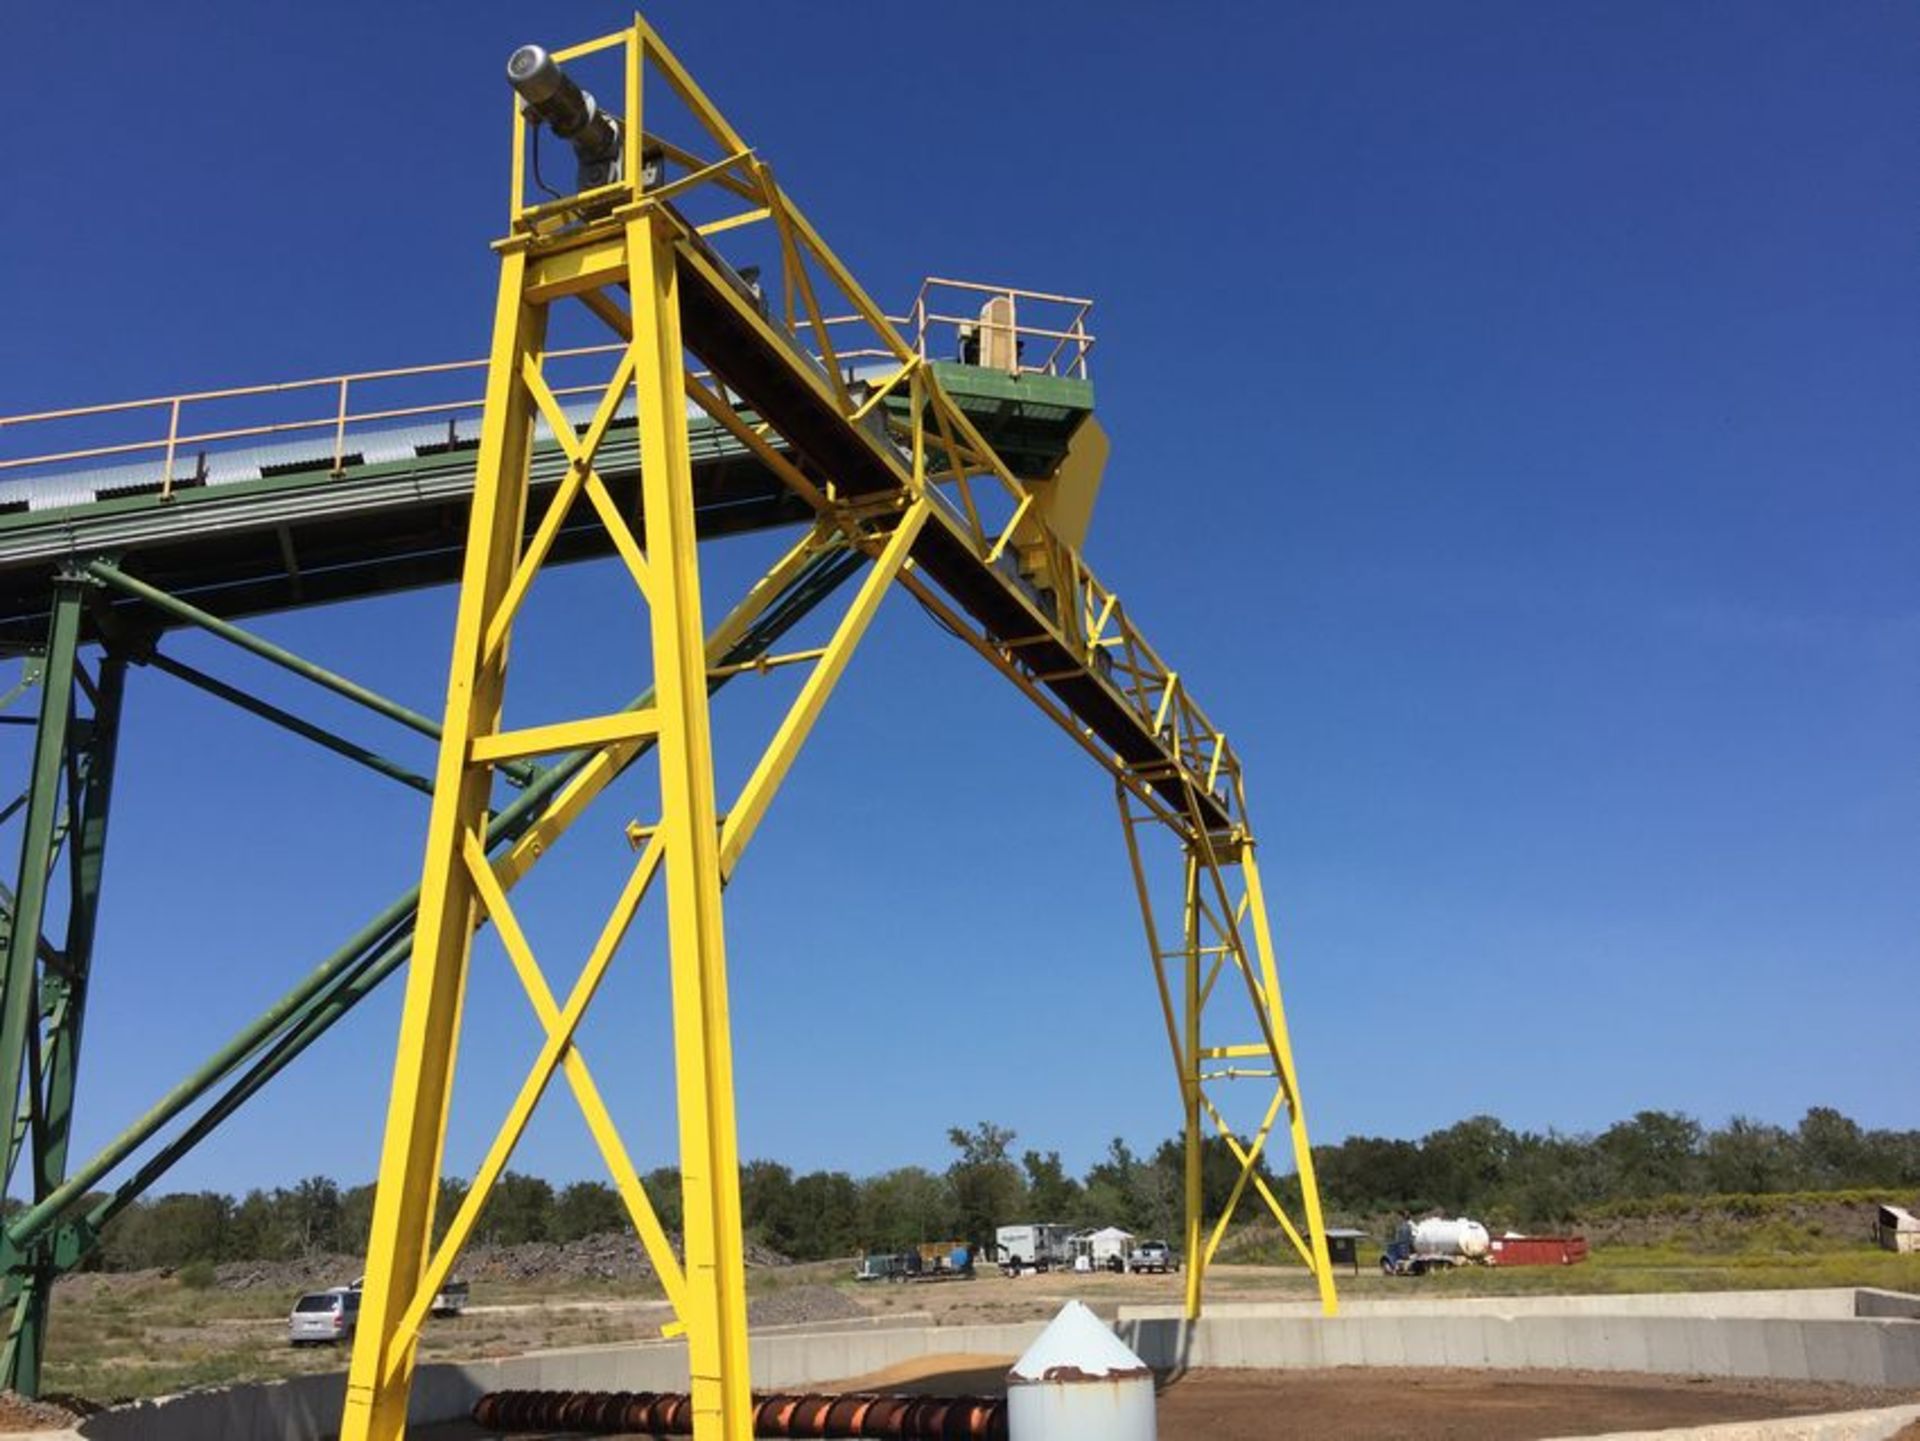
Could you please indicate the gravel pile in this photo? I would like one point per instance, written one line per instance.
(798, 1305)
(307, 1273)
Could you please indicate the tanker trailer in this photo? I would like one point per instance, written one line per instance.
(1420, 1246)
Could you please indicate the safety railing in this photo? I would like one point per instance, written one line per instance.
(1022, 332)
(179, 426)
(1004, 318)
(183, 430)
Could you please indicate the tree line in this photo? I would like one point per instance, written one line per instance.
(1478, 1166)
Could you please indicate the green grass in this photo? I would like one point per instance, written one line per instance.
(1717, 1252)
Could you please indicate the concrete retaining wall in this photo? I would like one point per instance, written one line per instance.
(1860, 1352)
(1864, 1338)
(1829, 1303)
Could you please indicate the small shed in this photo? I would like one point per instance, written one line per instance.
(1897, 1229)
(1343, 1247)
(1104, 1248)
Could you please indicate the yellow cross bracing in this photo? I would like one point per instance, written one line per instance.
(1219, 902)
(925, 497)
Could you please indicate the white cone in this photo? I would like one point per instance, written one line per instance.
(1079, 1382)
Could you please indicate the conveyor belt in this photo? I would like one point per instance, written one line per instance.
(272, 527)
(728, 335)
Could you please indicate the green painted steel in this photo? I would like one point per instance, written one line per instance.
(64, 1225)
(18, 981)
(44, 1008)
(111, 574)
(1028, 419)
(286, 720)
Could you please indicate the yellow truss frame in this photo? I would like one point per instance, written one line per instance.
(1221, 902)
(617, 250)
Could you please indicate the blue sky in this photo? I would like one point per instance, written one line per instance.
(1514, 435)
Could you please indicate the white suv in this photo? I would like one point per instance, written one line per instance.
(324, 1317)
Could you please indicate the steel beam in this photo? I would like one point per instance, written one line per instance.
(44, 1007)
(110, 574)
(287, 720)
(18, 979)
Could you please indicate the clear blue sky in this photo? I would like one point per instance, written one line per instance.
(1515, 439)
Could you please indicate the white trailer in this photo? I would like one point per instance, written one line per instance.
(1039, 1246)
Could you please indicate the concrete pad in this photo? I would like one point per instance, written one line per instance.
(1875, 1425)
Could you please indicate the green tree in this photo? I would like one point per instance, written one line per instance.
(313, 1209)
(1465, 1164)
(1749, 1156)
(826, 1216)
(588, 1208)
(766, 1205)
(663, 1189)
(453, 1193)
(987, 1190)
(356, 1219)
(1833, 1152)
(1657, 1153)
(171, 1231)
(901, 1208)
(1052, 1194)
(520, 1210)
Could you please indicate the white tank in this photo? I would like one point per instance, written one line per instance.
(1079, 1382)
(1451, 1238)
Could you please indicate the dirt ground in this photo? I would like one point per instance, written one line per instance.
(1378, 1404)
(1389, 1405)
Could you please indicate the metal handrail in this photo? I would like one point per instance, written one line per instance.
(1071, 344)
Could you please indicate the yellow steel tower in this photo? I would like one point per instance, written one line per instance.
(889, 468)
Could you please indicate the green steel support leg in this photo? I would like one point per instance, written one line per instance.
(64, 1003)
(25, 985)
(18, 974)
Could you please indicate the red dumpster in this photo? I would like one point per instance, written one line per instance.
(1537, 1250)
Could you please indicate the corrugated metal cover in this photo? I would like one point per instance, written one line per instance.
(1076, 1346)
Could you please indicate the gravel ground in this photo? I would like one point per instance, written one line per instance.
(18, 1413)
(1382, 1404)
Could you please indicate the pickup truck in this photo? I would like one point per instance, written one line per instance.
(1152, 1256)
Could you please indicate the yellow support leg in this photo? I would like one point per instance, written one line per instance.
(1195, 1252)
(716, 1297)
(381, 1372)
(1290, 1082)
(1221, 934)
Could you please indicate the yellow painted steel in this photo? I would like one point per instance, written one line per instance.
(380, 1374)
(620, 251)
(715, 1313)
(1220, 901)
